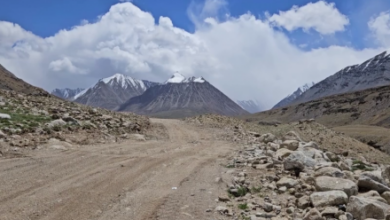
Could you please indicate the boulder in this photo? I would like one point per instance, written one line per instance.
(328, 198)
(366, 183)
(362, 208)
(287, 182)
(325, 183)
(373, 195)
(298, 161)
(329, 171)
(55, 123)
(303, 202)
(386, 196)
(290, 144)
(283, 153)
(266, 138)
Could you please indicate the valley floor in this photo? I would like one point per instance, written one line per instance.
(131, 180)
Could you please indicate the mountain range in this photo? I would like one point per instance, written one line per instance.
(67, 94)
(290, 98)
(112, 91)
(372, 73)
(181, 97)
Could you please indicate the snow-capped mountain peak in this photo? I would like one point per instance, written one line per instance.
(66, 93)
(178, 78)
(123, 81)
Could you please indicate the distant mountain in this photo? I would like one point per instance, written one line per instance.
(182, 97)
(113, 91)
(8, 81)
(66, 93)
(290, 98)
(252, 106)
(372, 73)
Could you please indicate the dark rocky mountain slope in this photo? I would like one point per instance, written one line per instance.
(8, 81)
(372, 73)
(113, 91)
(181, 97)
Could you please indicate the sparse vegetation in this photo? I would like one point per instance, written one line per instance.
(256, 189)
(243, 206)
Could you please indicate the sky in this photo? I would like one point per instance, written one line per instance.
(249, 49)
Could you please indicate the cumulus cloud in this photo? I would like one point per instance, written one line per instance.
(245, 56)
(321, 16)
(380, 26)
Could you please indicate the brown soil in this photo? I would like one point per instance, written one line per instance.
(131, 180)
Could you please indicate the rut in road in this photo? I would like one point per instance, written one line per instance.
(130, 180)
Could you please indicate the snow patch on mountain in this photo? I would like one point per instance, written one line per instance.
(66, 93)
(178, 78)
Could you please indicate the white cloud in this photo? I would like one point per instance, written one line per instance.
(245, 56)
(380, 26)
(321, 16)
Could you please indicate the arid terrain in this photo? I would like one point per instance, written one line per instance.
(178, 172)
(130, 180)
(360, 114)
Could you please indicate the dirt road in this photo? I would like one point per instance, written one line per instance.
(131, 180)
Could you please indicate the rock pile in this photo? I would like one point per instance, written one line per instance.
(288, 178)
(31, 120)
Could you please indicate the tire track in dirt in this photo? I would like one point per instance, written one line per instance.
(131, 180)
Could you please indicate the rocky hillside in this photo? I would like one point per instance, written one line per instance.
(346, 112)
(289, 178)
(67, 94)
(29, 121)
(372, 73)
(113, 91)
(290, 98)
(289, 171)
(181, 97)
(12, 83)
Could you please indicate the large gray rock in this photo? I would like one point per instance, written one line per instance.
(287, 182)
(328, 198)
(367, 183)
(329, 171)
(58, 122)
(326, 183)
(362, 208)
(283, 153)
(386, 196)
(298, 161)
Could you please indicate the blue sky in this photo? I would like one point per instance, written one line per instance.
(249, 54)
(47, 17)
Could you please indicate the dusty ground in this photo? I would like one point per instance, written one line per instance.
(131, 180)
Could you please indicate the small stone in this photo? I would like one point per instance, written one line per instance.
(268, 207)
(304, 202)
(5, 116)
(287, 182)
(223, 198)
